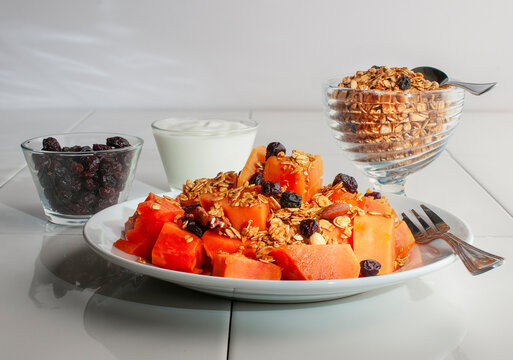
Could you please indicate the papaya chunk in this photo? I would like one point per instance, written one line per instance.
(147, 224)
(215, 243)
(257, 156)
(305, 181)
(316, 262)
(373, 240)
(403, 239)
(241, 216)
(178, 249)
(241, 267)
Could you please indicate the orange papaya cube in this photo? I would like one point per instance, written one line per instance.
(373, 239)
(316, 262)
(177, 249)
(305, 181)
(403, 239)
(340, 195)
(214, 243)
(376, 205)
(240, 216)
(207, 200)
(241, 267)
(257, 156)
(151, 216)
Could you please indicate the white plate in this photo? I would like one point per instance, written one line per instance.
(104, 228)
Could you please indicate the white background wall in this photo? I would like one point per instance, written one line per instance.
(237, 54)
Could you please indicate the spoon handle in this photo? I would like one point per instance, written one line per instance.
(473, 88)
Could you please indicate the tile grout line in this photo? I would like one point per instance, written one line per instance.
(477, 182)
(77, 123)
(229, 330)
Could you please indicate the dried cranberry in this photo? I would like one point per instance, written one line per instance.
(290, 200)
(256, 179)
(90, 184)
(347, 181)
(404, 82)
(107, 180)
(373, 194)
(91, 166)
(117, 142)
(369, 267)
(270, 188)
(76, 168)
(273, 149)
(51, 144)
(106, 192)
(100, 147)
(308, 226)
(76, 148)
(195, 228)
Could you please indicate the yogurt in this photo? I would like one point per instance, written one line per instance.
(198, 148)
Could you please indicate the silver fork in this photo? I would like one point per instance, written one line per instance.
(476, 260)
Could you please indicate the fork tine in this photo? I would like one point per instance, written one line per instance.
(413, 228)
(437, 221)
(423, 222)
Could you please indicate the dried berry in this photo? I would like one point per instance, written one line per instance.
(290, 200)
(100, 147)
(82, 184)
(273, 149)
(347, 181)
(195, 228)
(270, 188)
(189, 208)
(117, 142)
(374, 194)
(51, 144)
(375, 66)
(308, 226)
(256, 179)
(404, 82)
(369, 267)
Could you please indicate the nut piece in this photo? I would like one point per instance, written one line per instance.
(205, 218)
(317, 239)
(334, 210)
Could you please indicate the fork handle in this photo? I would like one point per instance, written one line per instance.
(476, 260)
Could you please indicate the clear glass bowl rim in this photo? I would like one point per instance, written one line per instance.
(251, 125)
(332, 83)
(133, 146)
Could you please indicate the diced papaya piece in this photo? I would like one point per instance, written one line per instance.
(373, 239)
(305, 181)
(403, 239)
(207, 200)
(376, 205)
(344, 196)
(214, 243)
(151, 216)
(257, 156)
(316, 262)
(240, 267)
(178, 249)
(240, 216)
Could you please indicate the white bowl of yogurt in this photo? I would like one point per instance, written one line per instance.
(192, 148)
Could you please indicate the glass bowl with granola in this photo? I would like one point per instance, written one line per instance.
(391, 122)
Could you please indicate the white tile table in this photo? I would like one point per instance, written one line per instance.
(59, 300)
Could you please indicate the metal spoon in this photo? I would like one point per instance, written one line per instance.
(434, 74)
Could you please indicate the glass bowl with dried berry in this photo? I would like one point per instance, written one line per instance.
(391, 122)
(79, 174)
